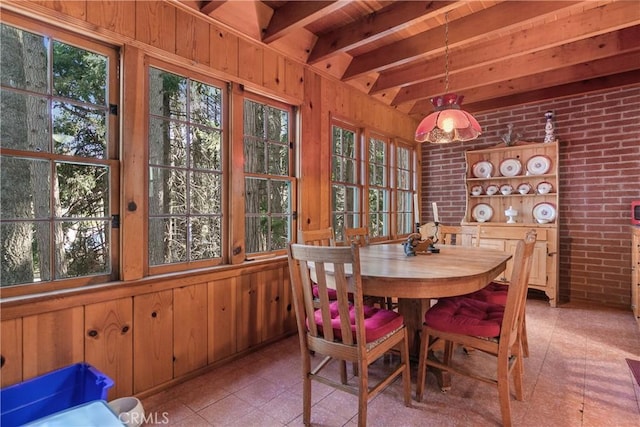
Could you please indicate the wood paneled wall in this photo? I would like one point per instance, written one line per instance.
(149, 333)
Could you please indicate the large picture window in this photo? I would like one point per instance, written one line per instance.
(268, 143)
(379, 199)
(346, 181)
(59, 159)
(185, 169)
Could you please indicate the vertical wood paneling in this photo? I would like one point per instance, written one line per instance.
(110, 350)
(76, 9)
(289, 313)
(189, 328)
(294, 79)
(222, 319)
(250, 65)
(274, 71)
(152, 339)
(117, 16)
(156, 24)
(52, 340)
(11, 351)
(224, 51)
(272, 323)
(249, 311)
(193, 38)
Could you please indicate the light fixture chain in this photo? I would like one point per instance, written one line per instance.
(446, 52)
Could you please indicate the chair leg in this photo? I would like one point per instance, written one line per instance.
(363, 394)
(343, 372)
(503, 391)
(406, 375)
(306, 391)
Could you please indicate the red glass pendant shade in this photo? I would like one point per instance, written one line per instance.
(448, 123)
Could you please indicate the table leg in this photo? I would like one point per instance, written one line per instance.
(413, 311)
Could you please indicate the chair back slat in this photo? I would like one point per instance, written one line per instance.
(333, 268)
(321, 237)
(458, 235)
(358, 236)
(516, 296)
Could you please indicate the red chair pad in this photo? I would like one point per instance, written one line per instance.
(378, 322)
(494, 293)
(462, 315)
(333, 295)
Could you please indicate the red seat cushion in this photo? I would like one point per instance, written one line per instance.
(466, 316)
(494, 292)
(331, 292)
(378, 322)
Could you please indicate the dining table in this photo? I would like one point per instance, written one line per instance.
(415, 281)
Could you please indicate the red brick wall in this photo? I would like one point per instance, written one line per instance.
(599, 170)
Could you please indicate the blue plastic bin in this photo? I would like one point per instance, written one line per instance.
(52, 392)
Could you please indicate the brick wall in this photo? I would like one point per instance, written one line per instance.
(599, 170)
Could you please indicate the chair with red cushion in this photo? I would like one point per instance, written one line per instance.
(343, 330)
(491, 328)
(320, 237)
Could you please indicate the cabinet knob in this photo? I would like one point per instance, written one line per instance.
(92, 333)
(125, 329)
(154, 314)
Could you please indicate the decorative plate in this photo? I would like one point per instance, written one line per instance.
(482, 169)
(477, 190)
(492, 189)
(524, 188)
(544, 187)
(482, 212)
(506, 189)
(510, 167)
(538, 165)
(544, 212)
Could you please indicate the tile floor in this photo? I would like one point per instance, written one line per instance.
(576, 375)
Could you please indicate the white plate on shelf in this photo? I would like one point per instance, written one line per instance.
(510, 167)
(544, 212)
(506, 189)
(482, 169)
(544, 187)
(482, 212)
(538, 165)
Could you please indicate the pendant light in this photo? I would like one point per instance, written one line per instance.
(449, 122)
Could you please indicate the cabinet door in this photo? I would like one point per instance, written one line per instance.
(538, 275)
(108, 343)
(273, 319)
(499, 245)
(152, 339)
(222, 318)
(189, 328)
(11, 352)
(52, 340)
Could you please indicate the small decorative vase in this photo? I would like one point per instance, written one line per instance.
(548, 127)
(511, 214)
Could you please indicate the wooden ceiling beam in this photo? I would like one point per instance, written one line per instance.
(375, 26)
(467, 30)
(583, 51)
(295, 15)
(609, 17)
(627, 62)
(209, 6)
(612, 81)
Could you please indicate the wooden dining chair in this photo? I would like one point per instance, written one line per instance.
(360, 237)
(486, 327)
(458, 235)
(343, 330)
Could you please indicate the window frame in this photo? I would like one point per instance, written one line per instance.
(188, 73)
(111, 160)
(243, 95)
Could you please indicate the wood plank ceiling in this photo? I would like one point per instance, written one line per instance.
(500, 53)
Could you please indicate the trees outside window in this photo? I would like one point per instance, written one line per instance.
(269, 184)
(59, 159)
(379, 199)
(404, 185)
(185, 169)
(346, 179)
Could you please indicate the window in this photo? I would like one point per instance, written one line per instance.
(379, 190)
(59, 160)
(389, 181)
(404, 188)
(268, 182)
(346, 182)
(185, 170)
